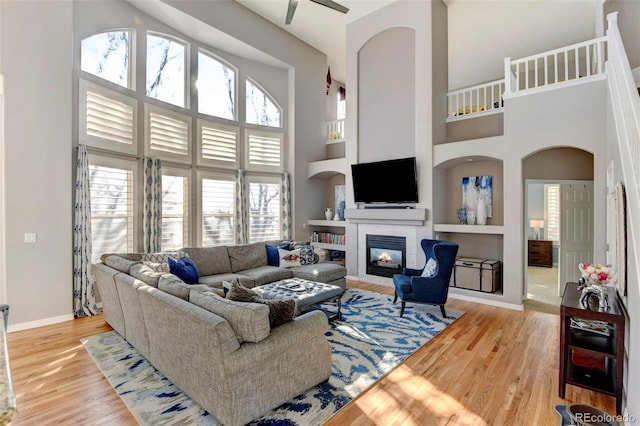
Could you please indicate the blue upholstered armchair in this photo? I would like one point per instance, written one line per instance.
(431, 284)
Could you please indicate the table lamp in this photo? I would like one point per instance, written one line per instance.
(536, 224)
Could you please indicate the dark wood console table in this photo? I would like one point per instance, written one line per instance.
(604, 354)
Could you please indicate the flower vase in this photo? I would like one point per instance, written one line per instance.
(481, 212)
(471, 217)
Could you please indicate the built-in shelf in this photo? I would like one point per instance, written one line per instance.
(327, 246)
(327, 168)
(332, 141)
(335, 223)
(469, 229)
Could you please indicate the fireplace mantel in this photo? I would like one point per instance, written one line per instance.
(391, 216)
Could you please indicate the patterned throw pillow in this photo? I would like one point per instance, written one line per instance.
(163, 256)
(157, 267)
(289, 258)
(431, 268)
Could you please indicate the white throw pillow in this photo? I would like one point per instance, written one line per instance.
(289, 258)
(430, 269)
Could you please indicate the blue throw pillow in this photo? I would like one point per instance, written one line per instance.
(184, 269)
(273, 259)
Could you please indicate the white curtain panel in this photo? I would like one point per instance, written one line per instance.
(84, 296)
(285, 190)
(152, 212)
(241, 202)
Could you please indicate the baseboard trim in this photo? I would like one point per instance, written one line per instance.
(38, 323)
(496, 303)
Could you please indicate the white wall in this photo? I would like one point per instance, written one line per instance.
(482, 33)
(386, 81)
(37, 64)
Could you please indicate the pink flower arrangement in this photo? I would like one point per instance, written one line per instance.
(596, 273)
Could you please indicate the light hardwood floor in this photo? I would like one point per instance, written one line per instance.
(492, 366)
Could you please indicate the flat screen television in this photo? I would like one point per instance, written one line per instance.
(390, 181)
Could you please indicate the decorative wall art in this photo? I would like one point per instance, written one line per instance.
(473, 189)
(341, 199)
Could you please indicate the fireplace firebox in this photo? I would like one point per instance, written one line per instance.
(386, 255)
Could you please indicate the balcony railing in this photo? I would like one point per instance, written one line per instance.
(566, 65)
(580, 60)
(335, 131)
(483, 98)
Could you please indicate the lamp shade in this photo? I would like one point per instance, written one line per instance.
(536, 223)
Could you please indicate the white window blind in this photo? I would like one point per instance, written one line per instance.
(175, 217)
(264, 211)
(111, 210)
(168, 133)
(264, 151)
(218, 212)
(218, 144)
(552, 212)
(108, 118)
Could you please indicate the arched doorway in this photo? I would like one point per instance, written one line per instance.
(552, 179)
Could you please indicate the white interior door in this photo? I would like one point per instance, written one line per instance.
(576, 231)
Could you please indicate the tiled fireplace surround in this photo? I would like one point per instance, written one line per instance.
(408, 223)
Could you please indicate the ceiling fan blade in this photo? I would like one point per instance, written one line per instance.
(332, 4)
(290, 11)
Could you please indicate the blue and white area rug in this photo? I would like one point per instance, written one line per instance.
(370, 340)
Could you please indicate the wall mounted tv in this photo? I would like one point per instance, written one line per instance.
(391, 181)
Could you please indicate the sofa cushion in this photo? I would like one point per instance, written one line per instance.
(265, 274)
(173, 285)
(146, 274)
(120, 263)
(280, 310)
(250, 321)
(210, 260)
(247, 256)
(322, 272)
(184, 269)
(216, 281)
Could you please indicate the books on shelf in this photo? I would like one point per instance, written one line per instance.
(593, 326)
(328, 238)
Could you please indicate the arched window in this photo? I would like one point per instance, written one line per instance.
(166, 69)
(216, 87)
(261, 109)
(108, 55)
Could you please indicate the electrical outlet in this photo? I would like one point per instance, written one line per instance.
(30, 237)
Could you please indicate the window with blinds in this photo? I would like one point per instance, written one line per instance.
(264, 151)
(218, 212)
(218, 144)
(112, 229)
(264, 211)
(108, 118)
(175, 217)
(552, 212)
(168, 134)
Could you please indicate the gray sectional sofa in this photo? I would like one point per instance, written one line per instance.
(223, 354)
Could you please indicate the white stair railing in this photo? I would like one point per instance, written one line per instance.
(626, 114)
(483, 98)
(335, 130)
(580, 60)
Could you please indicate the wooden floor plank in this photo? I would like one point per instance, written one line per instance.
(492, 366)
